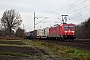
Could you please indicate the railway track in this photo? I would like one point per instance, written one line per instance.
(77, 43)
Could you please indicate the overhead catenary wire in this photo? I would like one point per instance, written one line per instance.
(79, 4)
(79, 9)
(40, 21)
(76, 6)
(62, 8)
(68, 4)
(80, 15)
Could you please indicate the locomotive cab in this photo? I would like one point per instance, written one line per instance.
(68, 31)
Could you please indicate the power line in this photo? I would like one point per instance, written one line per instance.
(78, 5)
(80, 16)
(67, 5)
(75, 2)
(41, 21)
(79, 9)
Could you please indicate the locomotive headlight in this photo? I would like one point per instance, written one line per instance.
(73, 31)
(65, 31)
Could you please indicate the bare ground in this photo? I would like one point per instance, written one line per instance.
(40, 53)
(35, 53)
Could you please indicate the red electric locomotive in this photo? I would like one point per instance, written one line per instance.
(68, 31)
(63, 31)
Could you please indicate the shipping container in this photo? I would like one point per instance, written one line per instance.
(43, 33)
(40, 32)
(46, 31)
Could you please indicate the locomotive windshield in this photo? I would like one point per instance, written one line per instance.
(71, 27)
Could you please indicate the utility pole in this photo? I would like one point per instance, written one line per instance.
(23, 26)
(34, 24)
(34, 21)
(64, 19)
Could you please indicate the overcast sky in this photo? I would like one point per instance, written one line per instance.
(78, 11)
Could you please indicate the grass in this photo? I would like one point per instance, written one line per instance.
(54, 50)
(16, 45)
(14, 54)
(10, 40)
(59, 50)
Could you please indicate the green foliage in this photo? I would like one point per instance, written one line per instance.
(17, 43)
(79, 54)
(59, 51)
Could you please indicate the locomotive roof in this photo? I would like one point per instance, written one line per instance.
(61, 25)
(66, 24)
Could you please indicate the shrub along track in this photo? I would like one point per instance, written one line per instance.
(78, 43)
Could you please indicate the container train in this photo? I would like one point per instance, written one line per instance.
(60, 32)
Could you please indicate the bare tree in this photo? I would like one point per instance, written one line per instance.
(11, 20)
(83, 30)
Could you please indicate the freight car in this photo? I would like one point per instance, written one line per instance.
(31, 34)
(43, 33)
